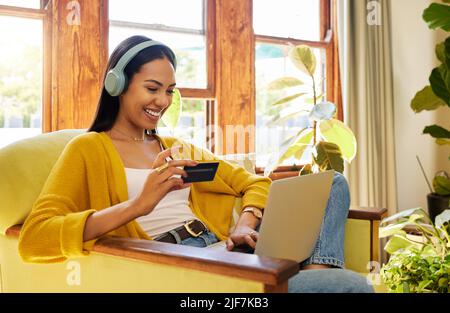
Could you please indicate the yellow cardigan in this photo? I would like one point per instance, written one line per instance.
(89, 176)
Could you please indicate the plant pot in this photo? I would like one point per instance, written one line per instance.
(437, 204)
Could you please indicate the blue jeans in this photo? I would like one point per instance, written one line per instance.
(329, 249)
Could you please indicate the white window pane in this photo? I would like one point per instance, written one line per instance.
(176, 13)
(191, 125)
(287, 18)
(272, 63)
(32, 4)
(20, 78)
(189, 49)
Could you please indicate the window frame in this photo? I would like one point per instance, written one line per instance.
(328, 42)
(214, 114)
(207, 94)
(44, 14)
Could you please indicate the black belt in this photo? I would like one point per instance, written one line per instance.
(193, 228)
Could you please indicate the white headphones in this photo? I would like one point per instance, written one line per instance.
(116, 79)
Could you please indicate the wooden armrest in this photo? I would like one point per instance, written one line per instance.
(367, 213)
(270, 271)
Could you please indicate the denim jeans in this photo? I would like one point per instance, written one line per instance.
(329, 249)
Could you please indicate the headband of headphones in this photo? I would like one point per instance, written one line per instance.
(116, 80)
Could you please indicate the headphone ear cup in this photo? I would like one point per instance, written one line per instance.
(114, 83)
(124, 84)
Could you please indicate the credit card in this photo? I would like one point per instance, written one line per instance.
(201, 172)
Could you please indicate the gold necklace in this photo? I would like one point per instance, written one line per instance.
(134, 138)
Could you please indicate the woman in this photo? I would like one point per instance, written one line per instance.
(120, 178)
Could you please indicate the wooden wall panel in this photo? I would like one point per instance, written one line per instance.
(78, 60)
(235, 86)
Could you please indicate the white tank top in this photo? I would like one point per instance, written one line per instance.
(172, 211)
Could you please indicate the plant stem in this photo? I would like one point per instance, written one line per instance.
(315, 102)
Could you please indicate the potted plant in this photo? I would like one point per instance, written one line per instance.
(329, 141)
(436, 95)
(418, 263)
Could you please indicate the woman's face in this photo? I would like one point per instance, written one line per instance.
(148, 95)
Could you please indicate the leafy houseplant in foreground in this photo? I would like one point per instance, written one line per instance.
(434, 96)
(417, 263)
(328, 140)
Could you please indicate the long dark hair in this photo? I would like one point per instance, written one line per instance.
(108, 106)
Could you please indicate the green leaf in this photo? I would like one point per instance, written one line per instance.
(443, 52)
(311, 100)
(426, 100)
(442, 218)
(441, 185)
(285, 115)
(437, 16)
(402, 214)
(329, 157)
(439, 85)
(172, 115)
(447, 52)
(298, 148)
(423, 284)
(323, 111)
(340, 134)
(288, 99)
(275, 157)
(304, 59)
(284, 83)
(293, 138)
(392, 230)
(437, 132)
(306, 170)
(443, 142)
(440, 52)
(398, 242)
(396, 227)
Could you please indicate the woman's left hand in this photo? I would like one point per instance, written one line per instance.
(242, 235)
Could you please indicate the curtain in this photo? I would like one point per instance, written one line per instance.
(367, 86)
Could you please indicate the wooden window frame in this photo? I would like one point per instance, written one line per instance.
(44, 14)
(207, 94)
(328, 42)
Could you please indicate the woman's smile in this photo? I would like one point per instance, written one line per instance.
(152, 115)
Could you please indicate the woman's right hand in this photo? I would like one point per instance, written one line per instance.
(161, 182)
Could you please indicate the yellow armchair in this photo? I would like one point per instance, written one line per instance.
(131, 265)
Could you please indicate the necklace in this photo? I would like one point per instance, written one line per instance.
(134, 138)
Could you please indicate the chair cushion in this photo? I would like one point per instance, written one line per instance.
(24, 167)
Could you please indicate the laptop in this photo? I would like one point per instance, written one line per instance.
(292, 217)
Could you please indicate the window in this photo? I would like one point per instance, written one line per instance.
(187, 35)
(21, 71)
(191, 125)
(292, 22)
(287, 18)
(32, 4)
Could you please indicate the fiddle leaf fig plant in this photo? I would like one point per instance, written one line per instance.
(329, 141)
(437, 93)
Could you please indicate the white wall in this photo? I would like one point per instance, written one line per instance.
(413, 59)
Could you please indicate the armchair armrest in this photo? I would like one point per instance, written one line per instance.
(363, 248)
(367, 213)
(272, 273)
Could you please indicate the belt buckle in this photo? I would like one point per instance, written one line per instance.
(190, 231)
